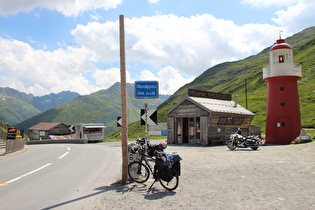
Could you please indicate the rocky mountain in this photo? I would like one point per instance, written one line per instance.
(16, 106)
(103, 106)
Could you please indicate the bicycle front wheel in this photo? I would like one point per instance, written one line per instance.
(138, 172)
(170, 184)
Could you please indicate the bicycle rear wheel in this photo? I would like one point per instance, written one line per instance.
(170, 184)
(138, 172)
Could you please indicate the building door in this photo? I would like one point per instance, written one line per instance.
(185, 130)
(283, 129)
(198, 130)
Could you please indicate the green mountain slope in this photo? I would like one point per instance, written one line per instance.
(103, 106)
(230, 78)
(17, 106)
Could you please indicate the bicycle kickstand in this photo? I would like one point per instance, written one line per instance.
(152, 184)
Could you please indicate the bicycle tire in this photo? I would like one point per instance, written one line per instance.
(173, 183)
(138, 172)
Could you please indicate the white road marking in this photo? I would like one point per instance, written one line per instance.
(29, 173)
(62, 156)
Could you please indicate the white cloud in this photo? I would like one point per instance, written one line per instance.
(190, 45)
(269, 3)
(170, 79)
(297, 17)
(108, 77)
(174, 49)
(40, 72)
(153, 1)
(66, 7)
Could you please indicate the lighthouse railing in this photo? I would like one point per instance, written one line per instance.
(296, 71)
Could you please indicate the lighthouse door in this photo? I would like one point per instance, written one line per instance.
(283, 129)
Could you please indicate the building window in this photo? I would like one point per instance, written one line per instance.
(191, 128)
(198, 127)
(282, 105)
(282, 124)
(281, 58)
(281, 89)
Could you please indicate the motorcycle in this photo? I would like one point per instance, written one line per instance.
(237, 140)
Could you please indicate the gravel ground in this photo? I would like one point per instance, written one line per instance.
(273, 177)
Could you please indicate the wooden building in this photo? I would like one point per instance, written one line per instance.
(44, 130)
(206, 118)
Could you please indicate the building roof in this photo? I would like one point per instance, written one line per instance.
(44, 126)
(215, 105)
(280, 44)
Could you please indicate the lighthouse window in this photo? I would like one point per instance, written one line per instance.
(282, 89)
(281, 59)
(282, 105)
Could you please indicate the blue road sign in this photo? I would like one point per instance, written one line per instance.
(146, 89)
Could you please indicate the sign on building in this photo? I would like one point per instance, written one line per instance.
(208, 94)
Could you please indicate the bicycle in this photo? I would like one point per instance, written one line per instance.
(167, 173)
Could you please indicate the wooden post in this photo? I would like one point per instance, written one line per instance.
(124, 126)
(246, 93)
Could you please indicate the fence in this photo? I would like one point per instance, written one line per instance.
(2, 147)
(14, 145)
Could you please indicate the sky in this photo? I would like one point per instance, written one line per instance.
(52, 46)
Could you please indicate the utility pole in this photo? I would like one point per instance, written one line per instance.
(246, 93)
(124, 126)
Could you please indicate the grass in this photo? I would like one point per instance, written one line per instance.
(311, 132)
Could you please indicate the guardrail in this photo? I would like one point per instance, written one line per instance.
(58, 141)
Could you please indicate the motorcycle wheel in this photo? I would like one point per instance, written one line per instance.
(231, 145)
(254, 148)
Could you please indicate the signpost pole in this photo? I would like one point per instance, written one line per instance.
(124, 126)
(146, 120)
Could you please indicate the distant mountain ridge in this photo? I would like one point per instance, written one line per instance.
(103, 106)
(17, 106)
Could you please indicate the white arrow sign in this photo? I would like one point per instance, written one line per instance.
(119, 121)
(71, 128)
(150, 112)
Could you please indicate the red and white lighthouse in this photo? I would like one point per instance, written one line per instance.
(283, 119)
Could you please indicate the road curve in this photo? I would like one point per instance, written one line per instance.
(57, 176)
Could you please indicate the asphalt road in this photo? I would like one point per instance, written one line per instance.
(87, 177)
(55, 176)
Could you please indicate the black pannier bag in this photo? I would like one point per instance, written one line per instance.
(176, 166)
(167, 174)
(164, 164)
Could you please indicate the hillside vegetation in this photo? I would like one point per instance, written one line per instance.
(229, 77)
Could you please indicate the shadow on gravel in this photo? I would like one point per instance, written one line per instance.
(149, 194)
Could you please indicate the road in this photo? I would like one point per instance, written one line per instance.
(56, 176)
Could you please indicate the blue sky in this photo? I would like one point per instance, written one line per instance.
(51, 46)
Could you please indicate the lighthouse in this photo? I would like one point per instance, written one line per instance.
(283, 118)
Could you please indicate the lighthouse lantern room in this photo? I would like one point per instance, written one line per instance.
(283, 121)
